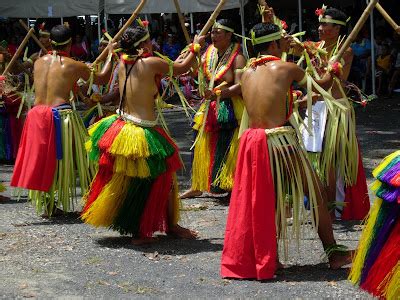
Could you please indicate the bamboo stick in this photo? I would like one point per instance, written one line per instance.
(212, 18)
(182, 21)
(388, 18)
(352, 36)
(19, 51)
(122, 30)
(33, 36)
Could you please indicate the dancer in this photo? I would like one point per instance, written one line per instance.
(340, 160)
(135, 190)
(376, 266)
(52, 152)
(217, 122)
(271, 164)
(106, 95)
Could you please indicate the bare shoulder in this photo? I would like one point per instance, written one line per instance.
(240, 61)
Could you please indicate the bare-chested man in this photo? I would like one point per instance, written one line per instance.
(52, 153)
(271, 165)
(215, 151)
(135, 189)
(340, 160)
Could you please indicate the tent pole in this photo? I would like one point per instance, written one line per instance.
(300, 17)
(191, 24)
(373, 65)
(98, 27)
(105, 21)
(246, 54)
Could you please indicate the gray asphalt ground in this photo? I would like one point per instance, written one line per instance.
(64, 258)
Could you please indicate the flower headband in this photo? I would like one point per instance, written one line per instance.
(320, 13)
(42, 30)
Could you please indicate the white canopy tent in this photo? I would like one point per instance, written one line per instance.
(167, 6)
(49, 8)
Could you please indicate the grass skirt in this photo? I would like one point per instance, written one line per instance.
(216, 149)
(270, 167)
(376, 266)
(340, 150)
(131, 190)
(74, 164)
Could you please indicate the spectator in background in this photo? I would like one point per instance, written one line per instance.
(395, 74)
(362, 51)
(79, 49)
(384, 64)
(171, 48)
(12, 45)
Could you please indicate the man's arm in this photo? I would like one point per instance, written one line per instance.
(299, 76)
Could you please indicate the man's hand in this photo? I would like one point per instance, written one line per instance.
(111, 47)
(199, 40)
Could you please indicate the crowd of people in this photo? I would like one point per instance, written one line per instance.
(251, 141)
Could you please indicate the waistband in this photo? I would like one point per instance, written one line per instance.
(280, 130)
(62, 106)
(136, 120)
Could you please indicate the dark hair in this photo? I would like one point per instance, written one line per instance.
(60, 34)
(130, 37)
(262, 29)
(337, 15)
(230, 24)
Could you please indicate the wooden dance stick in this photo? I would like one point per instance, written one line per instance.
(132, 18)
(33, 36)
(388, 18)
(212, 18)
(182, 21)
(19, 51)
(353, 34)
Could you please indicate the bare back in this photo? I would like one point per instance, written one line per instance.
(53, 80)
(264, 91)
(141, 88)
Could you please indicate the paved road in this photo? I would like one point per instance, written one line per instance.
(65, 258)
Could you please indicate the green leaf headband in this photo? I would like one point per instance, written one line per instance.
(266, 38)
(325, 20)
(220, 26)
(320, 13)
(46, 33)
(61, 43)
(146, 36)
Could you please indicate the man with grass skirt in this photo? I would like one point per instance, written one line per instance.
(271, 164)
(52, 154)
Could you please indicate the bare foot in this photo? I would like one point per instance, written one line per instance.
(182, 233)
(143, 241)
(340, 259)
(191, 194)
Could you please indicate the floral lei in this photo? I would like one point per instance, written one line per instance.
(221, 67)
(262, 60)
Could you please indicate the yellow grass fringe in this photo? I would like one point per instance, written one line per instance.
(364, 243)
(132, 168)
(108, 202)
(201, 163)
(130, 142)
